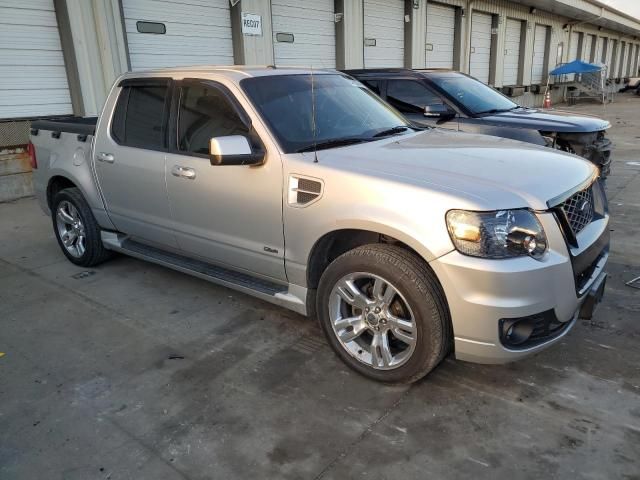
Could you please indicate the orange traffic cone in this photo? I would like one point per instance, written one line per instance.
(547, 100)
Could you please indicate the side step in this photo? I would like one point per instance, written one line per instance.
(257, 287)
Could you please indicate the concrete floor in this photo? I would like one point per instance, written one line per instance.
(132, 371)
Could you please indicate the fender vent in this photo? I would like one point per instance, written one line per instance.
(304, 191)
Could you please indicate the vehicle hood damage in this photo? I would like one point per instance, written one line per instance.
(481, 172)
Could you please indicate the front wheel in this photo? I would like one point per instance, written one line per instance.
(384, 313)
(76, 229)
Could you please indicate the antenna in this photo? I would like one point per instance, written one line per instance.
(313, 118)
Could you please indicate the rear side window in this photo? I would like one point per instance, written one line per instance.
(204, 113)
(373, 85)
(410, 96)
(140, 116)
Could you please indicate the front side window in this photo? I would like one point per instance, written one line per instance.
(204, 113)
(139, 117)
(410, 96)
(305, 110)
(472, 94)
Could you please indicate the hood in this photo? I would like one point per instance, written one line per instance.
(477, 171)
(547, 120)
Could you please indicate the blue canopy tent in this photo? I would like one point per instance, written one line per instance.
(577, 66)
(587, 79)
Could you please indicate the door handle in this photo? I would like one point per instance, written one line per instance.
(105, 157)
(184, 172)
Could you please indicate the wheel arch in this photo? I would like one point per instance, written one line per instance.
(56, 184)
(336, 242)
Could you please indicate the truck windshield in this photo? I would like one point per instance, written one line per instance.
(342, 111)
(472, 94)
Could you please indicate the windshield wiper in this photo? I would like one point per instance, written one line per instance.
(391, 131)
(336, 142)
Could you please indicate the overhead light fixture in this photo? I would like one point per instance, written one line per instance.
(533, 10)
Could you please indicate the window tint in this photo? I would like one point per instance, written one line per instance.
(139, 117)
(205, 113)
(410, 96)
(374, 85)
(472, 94)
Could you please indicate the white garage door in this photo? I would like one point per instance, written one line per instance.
(383, 33)
(613, 51)
(623, 55)
(480, 58)
(33, 82)
(586, 48)
(304, 33)
(196, 32)
(597, 58)
(441, 30)
(539, 50)
(573, 49)
(511, 65)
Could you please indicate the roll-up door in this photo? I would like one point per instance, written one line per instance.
(174, 33)
(383, 33)
(573, 48)
(612, 57)
(634, 71)
(34, 79)
(597, 58)
(623, 51)
(586, 48)
(304, 33)
(441, 32)
(629, 60)
(538, 66)
(480, 58)
(604, 51)
(511, 64)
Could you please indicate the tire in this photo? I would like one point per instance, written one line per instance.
(415, 319)
(71, 215)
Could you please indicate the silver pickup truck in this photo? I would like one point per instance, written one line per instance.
(306, 190)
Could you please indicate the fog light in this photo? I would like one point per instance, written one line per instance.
(517, 331)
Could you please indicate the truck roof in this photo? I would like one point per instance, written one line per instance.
(236, 72)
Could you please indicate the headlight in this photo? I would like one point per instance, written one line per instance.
(500, 234)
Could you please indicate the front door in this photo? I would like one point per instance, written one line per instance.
(130, 161)
(227, 214)
(411, 97)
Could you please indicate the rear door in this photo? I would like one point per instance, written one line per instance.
(229, 215)
(130, 160)
(411, 96)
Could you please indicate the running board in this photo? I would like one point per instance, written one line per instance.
(293, 297)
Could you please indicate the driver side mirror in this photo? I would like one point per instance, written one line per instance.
(438, 110)
(233, 150)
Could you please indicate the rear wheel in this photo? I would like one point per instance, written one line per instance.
(383, 312)
(76, 229)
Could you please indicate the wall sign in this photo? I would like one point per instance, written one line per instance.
(251, 24)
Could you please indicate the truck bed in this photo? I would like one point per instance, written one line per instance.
(79, 125)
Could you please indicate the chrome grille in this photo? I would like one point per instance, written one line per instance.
(579, 209)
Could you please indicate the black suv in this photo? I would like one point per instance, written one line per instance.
(457, 101)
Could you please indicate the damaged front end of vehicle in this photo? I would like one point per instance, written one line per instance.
(593, 146)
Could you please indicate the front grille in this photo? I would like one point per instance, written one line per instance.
(579, 210)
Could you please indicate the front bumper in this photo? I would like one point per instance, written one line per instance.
(481, 293)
